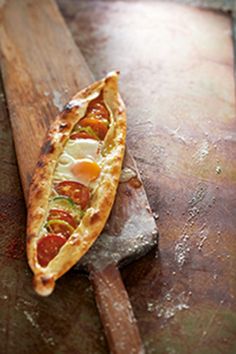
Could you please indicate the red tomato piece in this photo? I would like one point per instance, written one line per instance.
(99, 127)
(75, 190)
(48, 247)
(82, 135)
(97, 109)
(62, 215)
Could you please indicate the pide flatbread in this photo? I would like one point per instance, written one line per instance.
(75, 181)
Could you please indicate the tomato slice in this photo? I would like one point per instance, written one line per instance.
(62, 215)
(75, 190)
(48, 247)
(99, 127)
(82, 135)
(98, 109)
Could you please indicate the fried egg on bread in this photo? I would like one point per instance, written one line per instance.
(75, 182)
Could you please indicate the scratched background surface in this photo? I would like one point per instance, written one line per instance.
(178, 83)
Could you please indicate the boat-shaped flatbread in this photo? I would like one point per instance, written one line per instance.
(75, 181)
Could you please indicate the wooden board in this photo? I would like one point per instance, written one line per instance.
(180, 309)
(54, 64)
(27, 113)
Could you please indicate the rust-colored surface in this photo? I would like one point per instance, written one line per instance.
(178, 82)
(131, 229)
(177, 70)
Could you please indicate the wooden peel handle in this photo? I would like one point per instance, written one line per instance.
(115, 311)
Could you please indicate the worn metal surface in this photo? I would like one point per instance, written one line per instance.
(177, 69)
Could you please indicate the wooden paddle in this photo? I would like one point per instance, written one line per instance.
(42, 68)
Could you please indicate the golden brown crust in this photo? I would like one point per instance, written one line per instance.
(103, 198)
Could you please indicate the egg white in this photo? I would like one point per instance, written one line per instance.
(81, 148)
(76, 150)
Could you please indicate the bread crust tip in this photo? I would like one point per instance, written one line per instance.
(43, 285)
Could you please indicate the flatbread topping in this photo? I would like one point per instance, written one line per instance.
(74, 185)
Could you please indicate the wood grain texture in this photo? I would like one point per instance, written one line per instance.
(27, 73)
(28, 323)
(36, 73)
(115, 310)
(178, 81)
(188, 308)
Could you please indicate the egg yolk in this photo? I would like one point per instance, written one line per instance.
(86, 169)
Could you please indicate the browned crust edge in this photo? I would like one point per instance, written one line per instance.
(40, 188)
